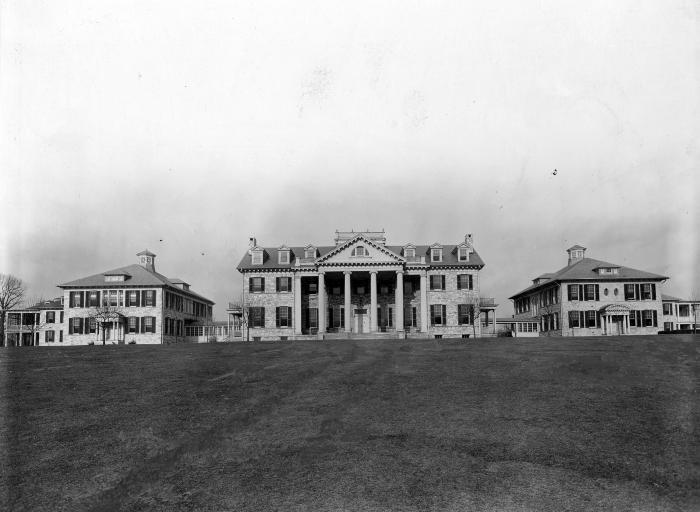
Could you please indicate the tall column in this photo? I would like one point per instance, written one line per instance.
(321, 302)
(424, 302)
(398, 317)
(297, 304)
(373, 301)
(348, 304)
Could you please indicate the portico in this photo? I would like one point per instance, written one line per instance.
(616, 319)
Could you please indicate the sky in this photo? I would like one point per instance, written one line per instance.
(187, 127)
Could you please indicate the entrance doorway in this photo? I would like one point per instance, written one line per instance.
(361, 320)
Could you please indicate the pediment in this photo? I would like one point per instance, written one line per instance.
(348, 254)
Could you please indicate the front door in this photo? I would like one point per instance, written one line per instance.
(361, 321)
(618, 319)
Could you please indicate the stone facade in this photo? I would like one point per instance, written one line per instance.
(360, 287)
(39, 325)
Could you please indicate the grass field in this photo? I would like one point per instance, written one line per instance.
(535, 424)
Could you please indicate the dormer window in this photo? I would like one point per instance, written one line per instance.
(114, 278)
(283, 257)
(360, 251)
(463, 254)
(436, 254)
(410, 252)
(256, 257)
(310, 252)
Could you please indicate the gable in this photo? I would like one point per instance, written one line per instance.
(348, 254)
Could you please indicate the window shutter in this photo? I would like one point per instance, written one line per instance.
(277, 288)
(637, 295)
(638, 314)
(581, 319)
(70, 326)
(471, 282)
(289, 317)
(444, 311)
(655, 319)
(432, 314)
(597, 292)
(653, 296)
(262, 316)
(138, 299)
(277, 312)
(442, 281)
(459, 282)
(136, 325)
(569, 288)
(581, 296)
(98, 298)
(250, 284)
(82, 299)
(153, 324)
(86, 325)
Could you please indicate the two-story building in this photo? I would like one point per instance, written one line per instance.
(592, 297)
(680, 314)
(131, 304)
(39, 324)
(362, 287)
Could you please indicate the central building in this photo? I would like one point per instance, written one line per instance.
(362, 287)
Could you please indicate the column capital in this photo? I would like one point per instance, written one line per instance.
(373, 271)
(347, 272)
(399, 271)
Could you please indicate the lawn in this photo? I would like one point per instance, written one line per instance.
(499, 424)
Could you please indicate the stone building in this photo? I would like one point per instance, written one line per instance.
(680, 314)
(39, 324)
(131, 304)
(362, 287)
(590, 297)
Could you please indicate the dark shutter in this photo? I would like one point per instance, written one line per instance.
(459, 282)
(569, 288)
(86, 325)
(136, 324)
(442, 281)
(638, 313)
(277, 288)
(277, 311)
(250, 284)
(581, 319)
(444, 311)
(653, 296)
(290, 322)
(82, 299)
(144, 327)
(143, 297)
(655, 319)
(597, 292)
(70, 326)
(471, 282)
(581, 296)
(637, 294)
(153, 324)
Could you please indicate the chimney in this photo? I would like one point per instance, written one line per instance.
(253, 242)
(468, 240)
(576, 254)
(147, 259)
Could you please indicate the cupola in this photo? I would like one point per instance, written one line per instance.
(147, 259)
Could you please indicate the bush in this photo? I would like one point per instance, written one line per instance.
(132, 342)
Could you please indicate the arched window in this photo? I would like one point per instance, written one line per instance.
(360, 251)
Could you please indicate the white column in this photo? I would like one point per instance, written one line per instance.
(297, 304)
(398, 317)
(348, 303)
(373, 301)
(423, 302)
(321, 302)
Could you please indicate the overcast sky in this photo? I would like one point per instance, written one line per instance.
(187, 127)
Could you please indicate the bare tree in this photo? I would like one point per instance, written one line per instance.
(102, 315)
(474, 303)
(12, 292)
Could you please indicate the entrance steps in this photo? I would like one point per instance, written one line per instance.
(361, 336)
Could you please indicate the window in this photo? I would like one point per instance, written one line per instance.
(310, 253)
(150, 298)
(410, 252)
(649, 318)
(50, 317)
(256, 316)
(407, 287)
(463, 254)
(312, 287)
(615, 292)
(668, 308)
(132, 325)
(149, 324)
(92, 325)
(76, 300)
(629, 292)
(256, 284)
(437, 314)
(590, 319)
(591, 291)
(93, 299)
(283, 257)
(256, 258)
(409, 317)
(668, 326)
(436, 254)
(49, 336)
(76, 325)
(360, 251)
(113, 279)
(573, 319)
(573, 292)
(605, 292)
(464, 314)
(132, 298)
(465, 282)
(684, 310)
(284, 284)
(437, 282)
(338, 318)
(646, 291)
(284, 316)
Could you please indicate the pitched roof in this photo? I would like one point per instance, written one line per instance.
(138, 276)
(145, 253)
(449, 257)
(670, 298)
(574, 247)
(584, 269)
(56, 303)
